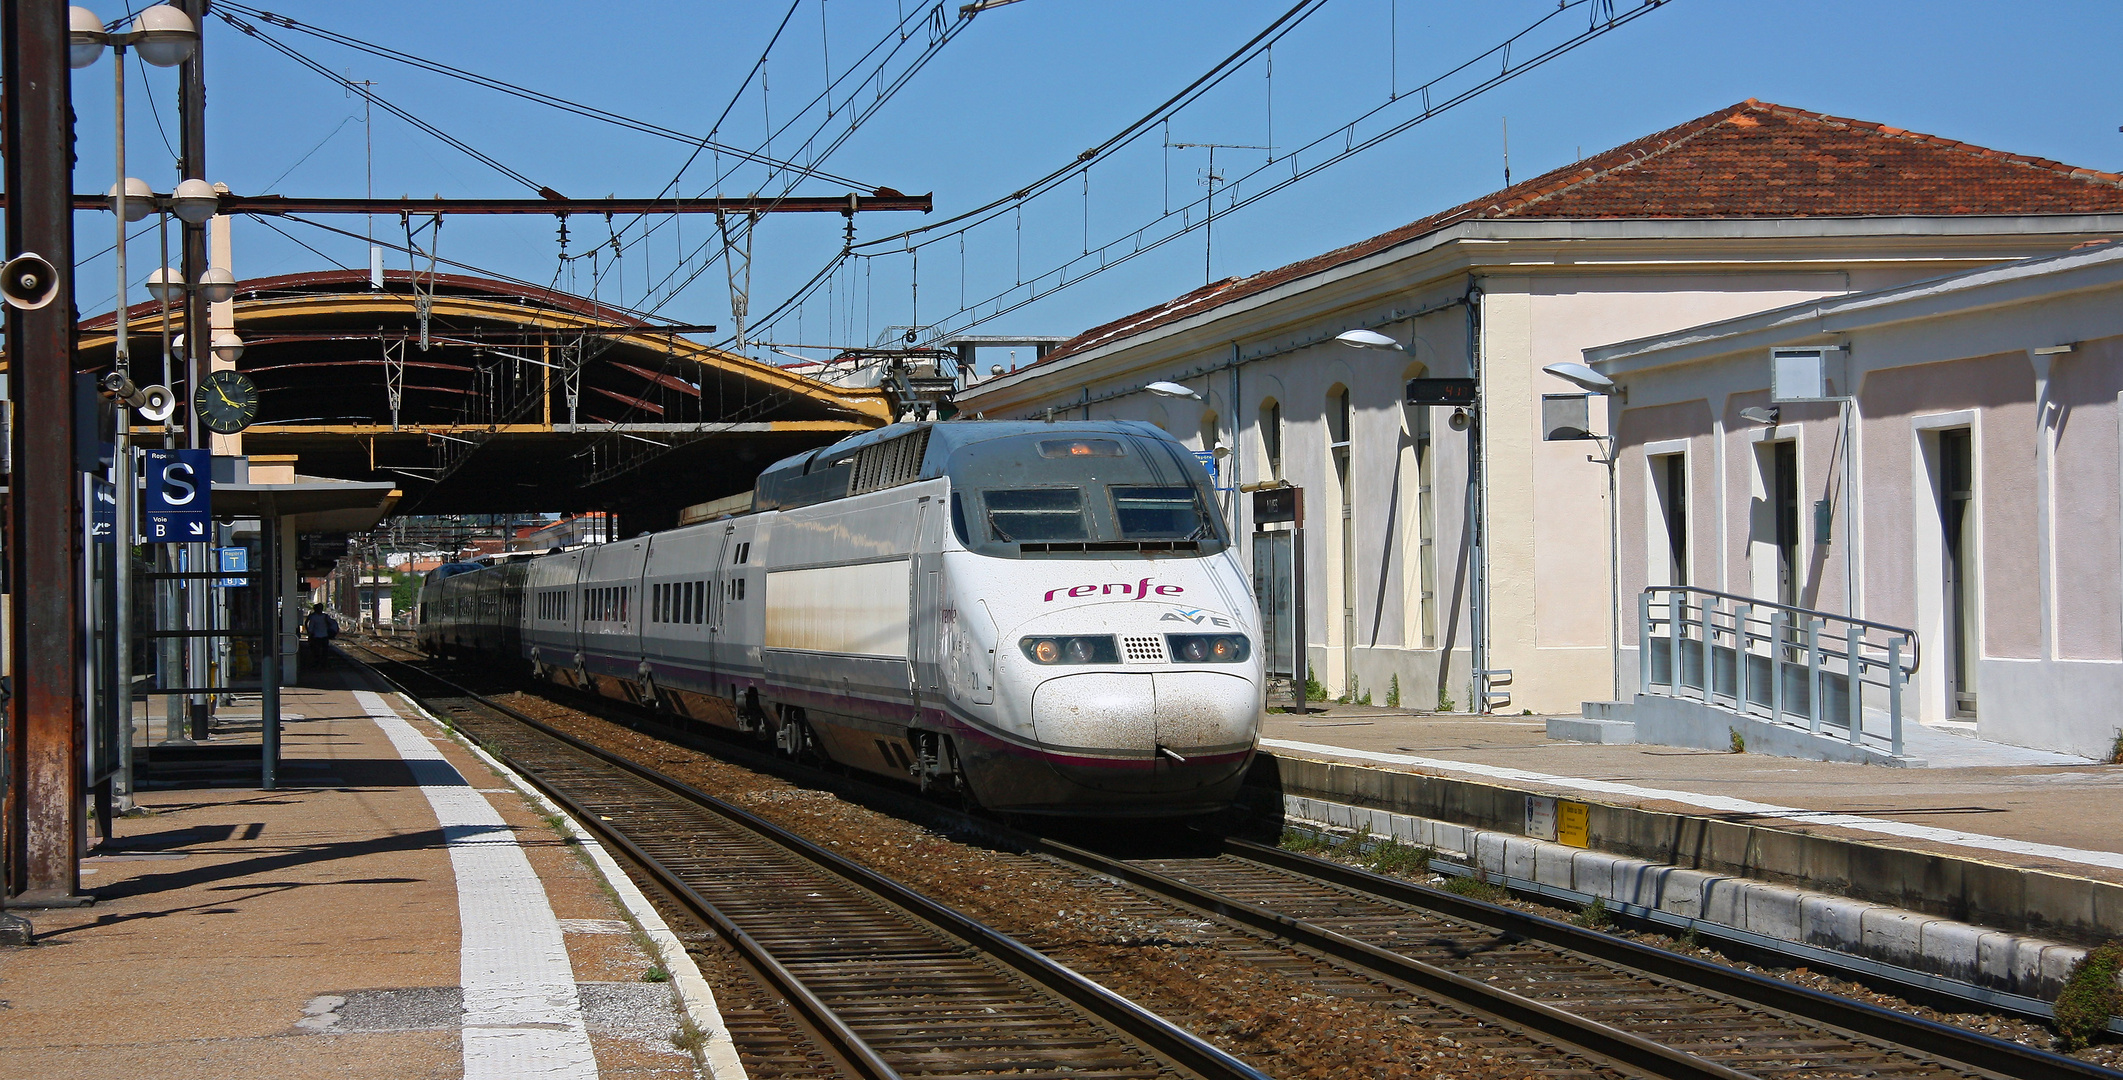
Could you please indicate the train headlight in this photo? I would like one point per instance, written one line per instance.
(1098, 649)
(1208, 648)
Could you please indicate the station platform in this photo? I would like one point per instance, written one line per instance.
(395, 908)
(2006, 804)
(1990, 871)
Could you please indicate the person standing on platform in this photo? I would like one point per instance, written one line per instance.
(321, 628)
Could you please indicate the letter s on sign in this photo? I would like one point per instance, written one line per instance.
(172, 484)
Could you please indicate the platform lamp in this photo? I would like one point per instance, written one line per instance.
(165, 37)
(1592, 382)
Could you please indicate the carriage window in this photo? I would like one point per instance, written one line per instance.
(1160, 513)
(1036, 514)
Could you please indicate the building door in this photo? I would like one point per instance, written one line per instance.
(1957, 526)
(1675, 506)
(1272, 590)
(1784, 499)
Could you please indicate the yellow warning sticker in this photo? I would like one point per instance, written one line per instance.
(1570, 823)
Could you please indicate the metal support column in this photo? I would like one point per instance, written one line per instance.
(269, 667)
(43, 819)
(198, 336)
(1854, 677)
(1778, 629)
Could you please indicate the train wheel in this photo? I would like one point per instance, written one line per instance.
(793, 736)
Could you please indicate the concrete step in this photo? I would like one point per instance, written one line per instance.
(1589, 729)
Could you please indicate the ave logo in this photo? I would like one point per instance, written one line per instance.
(1194, 617)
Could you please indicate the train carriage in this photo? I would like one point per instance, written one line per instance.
(1046, 617)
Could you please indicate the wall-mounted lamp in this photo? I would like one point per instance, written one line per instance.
(1582, 377)
(1761, 415)
(1171, 389)
(1366, 339)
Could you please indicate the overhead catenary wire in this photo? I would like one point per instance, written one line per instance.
(551, 100)
(1140, 241)
(355, 87)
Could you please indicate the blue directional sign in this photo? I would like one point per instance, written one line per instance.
(234, 560)
(103, 517)
(179, 496)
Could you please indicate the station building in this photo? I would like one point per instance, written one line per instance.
(1753, 207)
(1976, 501)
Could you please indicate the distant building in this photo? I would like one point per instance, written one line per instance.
(1984, 508)
(569, 531)
(1752, 207)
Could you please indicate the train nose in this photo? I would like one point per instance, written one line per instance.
(1122, 731)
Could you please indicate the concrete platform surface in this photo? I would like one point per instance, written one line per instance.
(1978, 800)
(396, 909)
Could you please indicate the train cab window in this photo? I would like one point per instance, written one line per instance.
(1036, 514)
(1040, 496)
(1160, 513)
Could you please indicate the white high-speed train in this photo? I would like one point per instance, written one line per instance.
(1045, 617)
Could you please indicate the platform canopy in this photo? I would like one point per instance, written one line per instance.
(505, 397)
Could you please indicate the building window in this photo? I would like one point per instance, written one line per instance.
(1339, 415)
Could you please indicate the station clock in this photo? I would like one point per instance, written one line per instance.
(227, 401)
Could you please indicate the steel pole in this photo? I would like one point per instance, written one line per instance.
(44, 792)
(1614, 567)
(198, 338)
(269, 667)
(120, 694)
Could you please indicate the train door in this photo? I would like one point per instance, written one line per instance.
(721, 643)
(576, 632)
(925, 600)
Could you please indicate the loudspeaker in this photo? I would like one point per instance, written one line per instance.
(156, 403)
(28, 281)
(1460, 420)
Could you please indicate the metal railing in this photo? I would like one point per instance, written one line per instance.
(1784, 664)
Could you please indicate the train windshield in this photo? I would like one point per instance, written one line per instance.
(1044, 497)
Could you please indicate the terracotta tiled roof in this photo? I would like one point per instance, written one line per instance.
(1754, 159)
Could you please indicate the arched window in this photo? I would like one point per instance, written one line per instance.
(1417, 511)
(1341, 551)
(1271, 439)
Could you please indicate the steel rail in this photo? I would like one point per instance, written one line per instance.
(1176, 1043)
(1588, 1036)
(842, 1040)
(1958, 1045)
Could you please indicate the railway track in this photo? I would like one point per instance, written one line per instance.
(1746, 1022)
(885, 982)
(1505, 979)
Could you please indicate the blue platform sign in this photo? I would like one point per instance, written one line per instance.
(177, 509)
(234, 560)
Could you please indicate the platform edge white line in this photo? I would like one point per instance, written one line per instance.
(522, 1013)
(718, 1053)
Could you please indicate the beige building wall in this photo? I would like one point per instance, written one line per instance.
(1542, 292)
(2027, 359)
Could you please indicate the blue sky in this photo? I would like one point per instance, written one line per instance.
(1019, 93)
